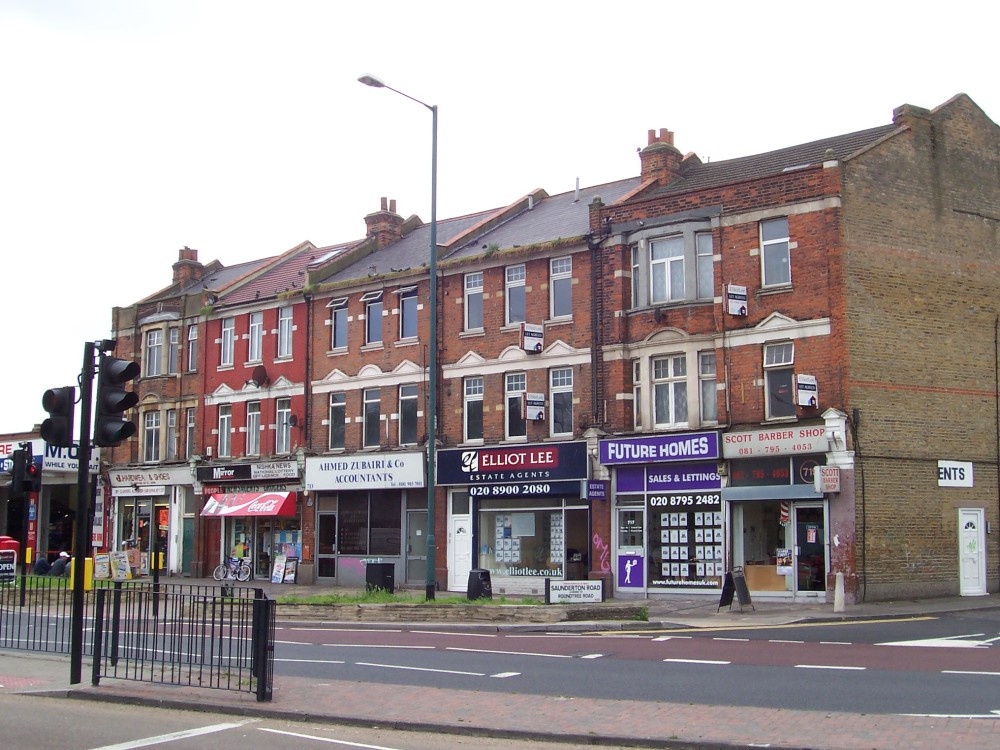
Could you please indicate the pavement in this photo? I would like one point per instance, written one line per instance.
(576, 722)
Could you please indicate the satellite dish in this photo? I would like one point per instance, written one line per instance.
(293, 421)
(259, 376)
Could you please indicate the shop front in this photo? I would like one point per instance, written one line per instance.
(370, 509)
(667, 516)
(253, 511)
(519, 512)
(779, 520)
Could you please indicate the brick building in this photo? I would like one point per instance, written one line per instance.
(639, 382)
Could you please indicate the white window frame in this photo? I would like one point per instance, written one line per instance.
(255, 337)
(192, 347)
(283, 426)
(704, 249)
(371, 406)
(779, 372)
(670, 378)
(338, 322)
(225, 442)
(151, 436)
(408, 313)
(637, 393)
(685, 266)
(560, 388)
(153, 364)
(409, 395)
(515, 293)
(171, 434)
(473, 301)
(708, 387)
(373, 309)
(666, 270)
(189, 426)
(173, 350)
(775, 253)
(253, 428)
(515, 392)
(337, 416)
(561, 288)
(285, 329)
(227, 342)
(474, 390)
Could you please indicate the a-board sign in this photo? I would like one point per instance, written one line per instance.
(291, 568)
(8, 564)
(735, 583)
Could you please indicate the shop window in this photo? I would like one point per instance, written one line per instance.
(372, 417)
(670, 391)
(369, 524)
(284, 333)
(561, 287)
(515, 294)
(408, 313)
(515, 425)
(473, 411)
(778, 377)
(474, 301)
(776, 266)
(154, 354)
(561, 400)
(338, 420)
(408, 414)
(338, 323)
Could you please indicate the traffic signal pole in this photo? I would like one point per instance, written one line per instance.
(81, 540)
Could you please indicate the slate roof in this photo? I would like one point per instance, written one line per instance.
(744, 168)
(217, 278)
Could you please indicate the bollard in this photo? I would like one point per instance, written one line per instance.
(838, 594)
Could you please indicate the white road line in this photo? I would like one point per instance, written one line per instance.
(741, 640)
(994, 714)
(294, 643)
(445, 632)
(697, 661)
(828, 666)
(162, 738)
(836, 643)
(957, 671)
(343, 630)
(507, 653)
(326, 739)
(376, 645)
(418, 669)
(776, 640)
(939, 643)
(503, 675)
(673, 638)
(314, 661)
(592, 656)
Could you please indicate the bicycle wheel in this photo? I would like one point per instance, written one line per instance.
(220, 572)
(243, 572)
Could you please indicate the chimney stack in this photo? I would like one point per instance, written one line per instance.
(187, 269)
(385, 225)
(660, 159)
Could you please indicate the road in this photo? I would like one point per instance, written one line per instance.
(28, 721)
(945, 665)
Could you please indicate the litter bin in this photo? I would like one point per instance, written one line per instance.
(480, 585)
(380, 576)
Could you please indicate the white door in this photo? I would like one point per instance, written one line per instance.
(459, 552)
(971, 552)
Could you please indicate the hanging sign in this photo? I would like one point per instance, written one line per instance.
(736, 300)
(808, 393)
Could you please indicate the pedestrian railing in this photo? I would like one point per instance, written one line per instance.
(194, 635)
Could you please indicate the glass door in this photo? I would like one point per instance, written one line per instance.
(326, 545)
(630, 571)
(416, 546)
(810, 548)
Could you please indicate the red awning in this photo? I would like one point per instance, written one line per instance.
(250, 504)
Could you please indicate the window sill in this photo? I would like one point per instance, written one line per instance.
(776, 289)
(403, 343)
(285, 358)
(225, 368)
(553, 322)
(338, 351)
(253, 362)
(472, 333)
(374, 347)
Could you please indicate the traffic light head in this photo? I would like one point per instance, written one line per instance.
(110, 425)
(20, 460)
(58, 428)
(32, 481)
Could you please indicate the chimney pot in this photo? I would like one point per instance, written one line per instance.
(384, 203)
(651, 137)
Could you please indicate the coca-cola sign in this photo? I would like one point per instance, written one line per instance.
(235, 504)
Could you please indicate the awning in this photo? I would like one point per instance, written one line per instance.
(771, 492)
(237, 504)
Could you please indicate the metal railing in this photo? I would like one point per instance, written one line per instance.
(195, 635)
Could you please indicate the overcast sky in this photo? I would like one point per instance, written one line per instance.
(130, 129)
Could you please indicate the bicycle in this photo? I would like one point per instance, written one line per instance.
(234, 567)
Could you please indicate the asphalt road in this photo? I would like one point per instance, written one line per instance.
(938, 665)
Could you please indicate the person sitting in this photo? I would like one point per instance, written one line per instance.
(41, 567)
(60, 564)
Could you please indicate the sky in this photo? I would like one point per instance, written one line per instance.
(130, 129)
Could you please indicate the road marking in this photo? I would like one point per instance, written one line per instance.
(947, 642)
(314, 661)
(994, 714)
(503, 675)
(507, 653)
(376, 645)
(673, 638)
(418, 669)
(957, 671)
(778, 640)
(344, 630)
(829, 666)
(718, 628)
(836, 643)
(445, 632)
(326, 739)
(592, 656)
(697, 661)
(162, 738)
(740, 640)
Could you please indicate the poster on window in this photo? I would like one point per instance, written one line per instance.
(685, 540)
(784, 559)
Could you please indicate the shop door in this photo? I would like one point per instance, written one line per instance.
(416, 546)
(326, 545)
(630, 573)
(810, 548)
(187, 545)
(459, 552)
(971, 552)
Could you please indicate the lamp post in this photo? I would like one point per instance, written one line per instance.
(432, 363)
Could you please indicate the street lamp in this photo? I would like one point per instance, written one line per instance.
(432, 364)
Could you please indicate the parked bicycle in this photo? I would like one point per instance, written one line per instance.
(234, 567)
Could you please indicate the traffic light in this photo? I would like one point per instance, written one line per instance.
(57, 430)
(17, 474)
(110, 425)
(32, 476)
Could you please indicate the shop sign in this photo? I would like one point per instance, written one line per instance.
(827, 478)
(241, 504)
(252, 472)
(597, 489)
(668, 477)
(526, 489)
(8, 564)
(366, 471)
(54, 459)
(129, 491)
(525, 463)
(954, 474)
(573, 592)
(692, 446)
(130, 477)
(775, 442)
